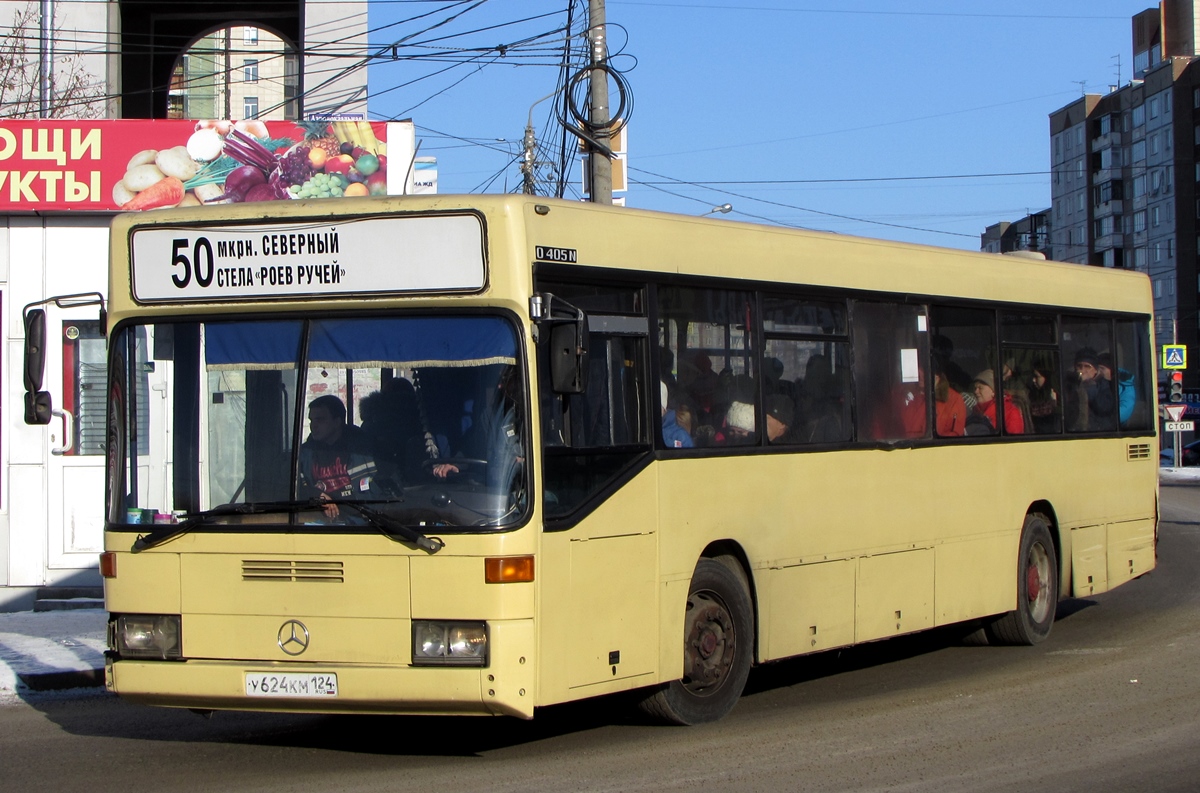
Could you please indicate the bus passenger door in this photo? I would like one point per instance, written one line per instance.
(600, 550)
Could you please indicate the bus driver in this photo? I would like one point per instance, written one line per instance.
(335, 461)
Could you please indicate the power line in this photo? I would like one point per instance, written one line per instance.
(708, 182)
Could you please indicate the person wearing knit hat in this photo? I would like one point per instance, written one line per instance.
(739, 423)
(674, 436)
(1091, 403)
(985, 405)
(780, 418)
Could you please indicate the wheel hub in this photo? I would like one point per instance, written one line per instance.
(1033, 582)
(710, 643)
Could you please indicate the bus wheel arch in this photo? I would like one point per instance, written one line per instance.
(1037, 571)
(718, 646)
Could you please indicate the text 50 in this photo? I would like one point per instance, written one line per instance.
(200, 265)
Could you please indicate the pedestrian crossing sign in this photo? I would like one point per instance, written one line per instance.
(1174, 356)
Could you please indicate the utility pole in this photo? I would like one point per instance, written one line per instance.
(46, 59)
(527, 161)
(601, 166)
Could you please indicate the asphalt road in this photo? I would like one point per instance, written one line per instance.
(1111, 702)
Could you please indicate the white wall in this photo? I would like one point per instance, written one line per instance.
(42, 257)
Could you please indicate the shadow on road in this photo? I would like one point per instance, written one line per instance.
(435, 736)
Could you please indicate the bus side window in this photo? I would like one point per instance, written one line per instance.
(1134, 375)
(706, 334)
(890, 385)
(1089, 397)
(964, 349)
(1029, 371)
(806, 366)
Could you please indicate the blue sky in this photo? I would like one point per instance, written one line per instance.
(811, 114)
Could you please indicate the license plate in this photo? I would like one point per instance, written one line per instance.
(291, 684)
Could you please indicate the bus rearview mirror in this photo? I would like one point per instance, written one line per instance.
(37, 402)
(568, 359)
(35, 349)
(38, 407)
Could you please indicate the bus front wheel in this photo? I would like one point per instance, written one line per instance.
(717, 649)
(1037, 588)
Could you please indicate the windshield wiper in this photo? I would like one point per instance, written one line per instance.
(169, 531)
(387, 526)
(390, 527)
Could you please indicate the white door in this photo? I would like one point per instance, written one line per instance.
(75, 257)
(76, 377)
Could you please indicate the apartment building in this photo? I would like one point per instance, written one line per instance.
(1124, 171)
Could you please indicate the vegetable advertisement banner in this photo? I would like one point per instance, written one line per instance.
(130, 164)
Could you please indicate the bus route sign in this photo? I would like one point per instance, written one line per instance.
(308, 258)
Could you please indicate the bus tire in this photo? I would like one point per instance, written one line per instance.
(1037, 588)
(717, 649)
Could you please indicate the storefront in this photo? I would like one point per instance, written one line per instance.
(60, 184)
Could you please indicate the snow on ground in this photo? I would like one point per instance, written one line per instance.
(46, 642)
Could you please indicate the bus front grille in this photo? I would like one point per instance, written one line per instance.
(292, 570)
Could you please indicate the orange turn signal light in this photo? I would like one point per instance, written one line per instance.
(508, 569)
(108, 564)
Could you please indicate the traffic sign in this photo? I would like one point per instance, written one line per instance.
(1175, 412)
(1179, 426)
(1174, 356)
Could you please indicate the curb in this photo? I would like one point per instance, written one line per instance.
(60, 681)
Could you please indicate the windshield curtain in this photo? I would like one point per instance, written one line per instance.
(419, 417)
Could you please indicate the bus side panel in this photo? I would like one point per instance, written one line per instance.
(894, 594)
(1130, 550)
(598, 616)
(1089, 561)
(811, 608)
(969, 582)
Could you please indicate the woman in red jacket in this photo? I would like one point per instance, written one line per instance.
(985, 396)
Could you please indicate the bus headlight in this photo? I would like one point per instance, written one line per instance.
(437, 643)
(149, 636)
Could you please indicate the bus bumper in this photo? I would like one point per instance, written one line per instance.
(505, 687)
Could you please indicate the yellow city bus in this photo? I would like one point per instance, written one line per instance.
(482, 454)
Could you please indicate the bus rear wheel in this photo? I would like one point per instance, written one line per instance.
(717, 649)
(1037, 588)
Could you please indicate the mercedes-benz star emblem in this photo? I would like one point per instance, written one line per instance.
(293, 637)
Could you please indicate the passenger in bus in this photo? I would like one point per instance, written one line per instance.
(674, 436)
(391, 421)
(820, 403)
(1013, 386)
(781, 417)
(1091, 403)
(336, 460)
(700, 381)
(985, 406)
(1126, 393)
(942, 350)
(951, 411)
(773, 380)
(739, 425)
(1043, 402)
(496, 436)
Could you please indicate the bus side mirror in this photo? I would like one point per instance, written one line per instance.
(37, 402)
(568, 358)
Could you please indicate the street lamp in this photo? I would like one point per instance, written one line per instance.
(724, 209)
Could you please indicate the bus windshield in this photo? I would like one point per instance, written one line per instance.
(420, 417)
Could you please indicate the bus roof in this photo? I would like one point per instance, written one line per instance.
(522, 230)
